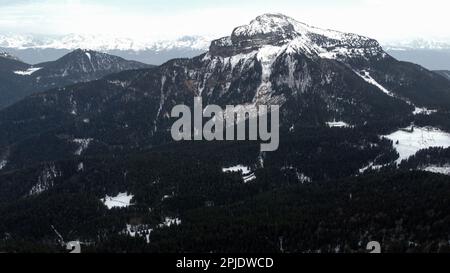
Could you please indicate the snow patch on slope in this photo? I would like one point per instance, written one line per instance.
(266, 56)
(121, 200)
(46, 180)
(238, 168)
(3, 164)
(423, 111)
(338, 124)
(247, 174)
(161, 104)
(170, 221)
(365, 75)
(28, 72)
(83, 144)
(437, 169)
(371, 166)
(301, 177)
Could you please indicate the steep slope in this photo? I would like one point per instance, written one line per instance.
(444, 73)
(77, 66)
(9, 63)
(11, 84)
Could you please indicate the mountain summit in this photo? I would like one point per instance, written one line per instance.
(280, 30)
(85, 65)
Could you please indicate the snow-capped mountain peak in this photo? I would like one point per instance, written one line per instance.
(36, 49)
(100, 42)
(419, 44)
(293, 36)
(287, 27)
(266, 24)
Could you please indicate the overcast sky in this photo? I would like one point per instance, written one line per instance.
(385, 20)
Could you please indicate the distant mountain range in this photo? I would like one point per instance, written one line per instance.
(417, 44)
(33, 49)
(434, 55)
(19, 79)
(37, 48)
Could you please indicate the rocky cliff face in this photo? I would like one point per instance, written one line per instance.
(279, 30)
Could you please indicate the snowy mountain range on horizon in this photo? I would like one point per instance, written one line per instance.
(108, 42)
(34, 48)
(100, 42)
(418, 44)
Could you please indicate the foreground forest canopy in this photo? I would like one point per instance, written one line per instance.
(406, 211)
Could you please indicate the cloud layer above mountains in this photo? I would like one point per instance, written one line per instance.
(381, 19)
